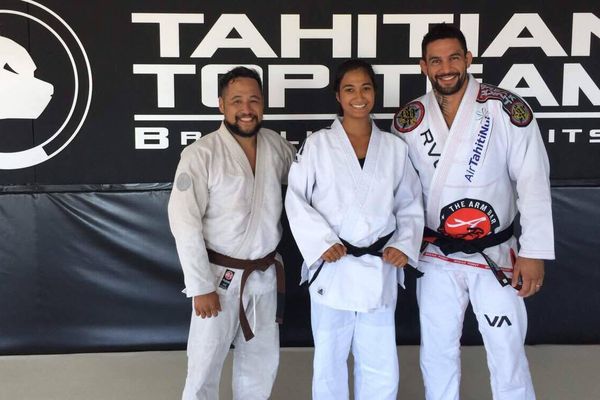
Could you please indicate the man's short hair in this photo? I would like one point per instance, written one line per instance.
(238, 72)
(443, 31)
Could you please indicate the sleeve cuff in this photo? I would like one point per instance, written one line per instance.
(314, 256)
(539, 254)
(413, 258)
(197, 290)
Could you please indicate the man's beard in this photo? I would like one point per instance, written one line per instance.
(236, 130)
(447, 91)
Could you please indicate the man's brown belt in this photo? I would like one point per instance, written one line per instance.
(249, 266)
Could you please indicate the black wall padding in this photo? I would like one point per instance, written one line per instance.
(85, 271)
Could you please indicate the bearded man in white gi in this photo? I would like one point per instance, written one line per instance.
(479, 155)
(224, 213)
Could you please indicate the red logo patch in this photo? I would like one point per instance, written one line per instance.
(468, 219)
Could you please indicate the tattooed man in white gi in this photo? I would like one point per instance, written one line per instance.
(224, 213)
(480, 157)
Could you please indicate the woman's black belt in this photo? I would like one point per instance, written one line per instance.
(373, 250)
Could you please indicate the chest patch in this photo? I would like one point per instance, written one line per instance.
(468, 219)
(409, 117)
(519, 112)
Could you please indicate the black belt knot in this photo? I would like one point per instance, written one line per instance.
(449, 245)
(373, 250)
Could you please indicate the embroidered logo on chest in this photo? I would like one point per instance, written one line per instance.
(519, 112)
(479, 148)
(468, 219)
(409, 117)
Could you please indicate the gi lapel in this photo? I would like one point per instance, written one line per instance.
(255, 179)
(371, 161)
(362, 177)
(450, 140)
(236, 151)
(258, 191)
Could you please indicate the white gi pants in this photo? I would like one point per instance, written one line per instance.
(254, 362)
(502, 319)
(372, 338)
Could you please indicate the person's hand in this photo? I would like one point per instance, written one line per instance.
(531, 272)
(334, 253)
(207, 305)
(395, 257)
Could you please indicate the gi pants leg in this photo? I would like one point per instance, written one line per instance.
(254, 363)
(502, 319)
(372, 338)
(443, 298)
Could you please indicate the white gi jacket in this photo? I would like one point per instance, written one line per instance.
(218, 203)
(478, 174)
(330, 196)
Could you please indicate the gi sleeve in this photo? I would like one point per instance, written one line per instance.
(187, 205)
(529, 169)
(408, 210)
(311, 231)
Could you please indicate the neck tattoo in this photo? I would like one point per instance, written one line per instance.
(444, 104)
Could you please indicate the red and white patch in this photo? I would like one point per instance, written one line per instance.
(409, 117)
(468, 219)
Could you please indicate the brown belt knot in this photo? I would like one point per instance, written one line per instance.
(249, 266)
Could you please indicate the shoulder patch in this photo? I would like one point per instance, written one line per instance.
(409, 117)
(183, 182)
(519, 112)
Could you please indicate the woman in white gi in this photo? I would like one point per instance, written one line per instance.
(350, 187)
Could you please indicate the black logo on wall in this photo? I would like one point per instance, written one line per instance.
(45, 84)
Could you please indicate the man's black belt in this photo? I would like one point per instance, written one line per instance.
(449, 245)
(373, 250)
(249, 266)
